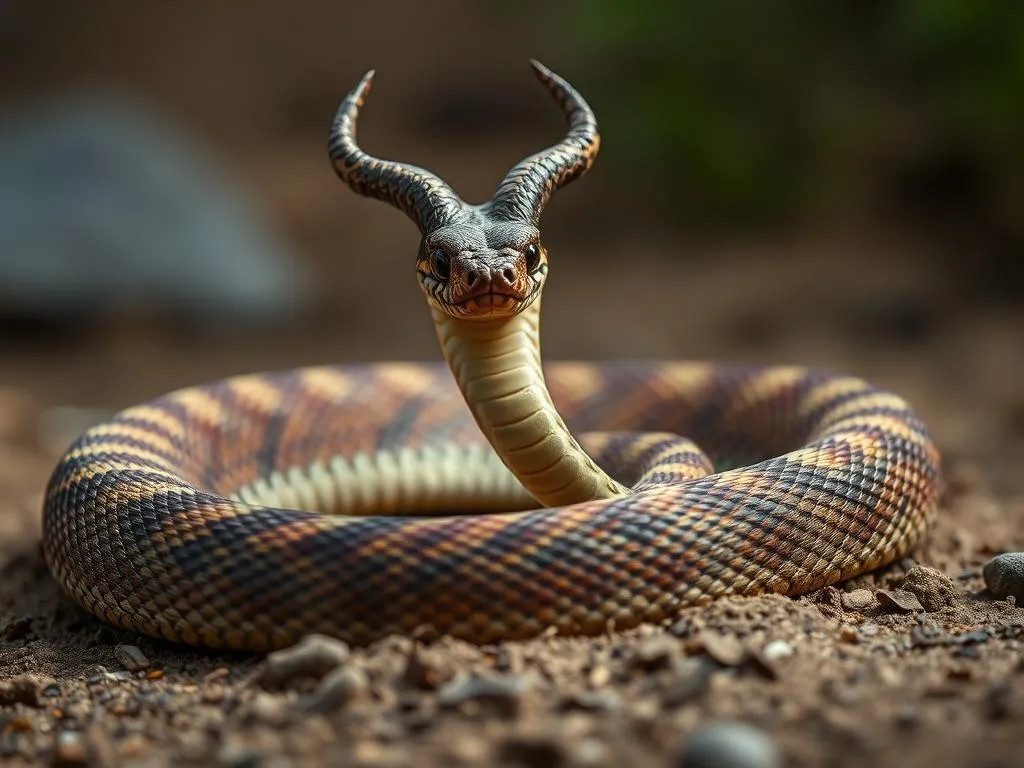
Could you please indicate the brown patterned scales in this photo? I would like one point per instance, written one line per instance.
(351, 500)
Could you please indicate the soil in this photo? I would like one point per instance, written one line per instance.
(914, 665)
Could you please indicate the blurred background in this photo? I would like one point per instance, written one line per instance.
(835, 184)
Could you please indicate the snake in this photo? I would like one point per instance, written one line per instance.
(491, 496)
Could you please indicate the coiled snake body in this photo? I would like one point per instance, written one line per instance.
(351, 500)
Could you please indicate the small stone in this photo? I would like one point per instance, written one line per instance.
(314, 656)
(777, 649)
(599, 676)
(508, 659)
(337, 689)
(848, 634)
(727, 650)
(132, 745)
(588, 752)
(689, 681)
(899, 601)
(269, 710)
(370, 753)
(71, 749)
(605, 700)
(467, 749)
(218, 674)
(504, 694)
(728, 745)
(131, 658)
(857, 600)
(427, 669)
(923, 636)
(654, 653)
(681, 629)
(934, 589)
(1004, 576)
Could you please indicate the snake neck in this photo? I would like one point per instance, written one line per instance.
(496, 364)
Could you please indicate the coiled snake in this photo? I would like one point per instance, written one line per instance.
(360, 501)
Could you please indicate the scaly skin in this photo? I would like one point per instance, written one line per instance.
(248, 512)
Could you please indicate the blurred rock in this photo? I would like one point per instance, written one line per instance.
(728, 745)
(102, 204)
(1004, 576)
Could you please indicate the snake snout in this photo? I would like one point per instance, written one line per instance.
(497, 279)
(489, 283)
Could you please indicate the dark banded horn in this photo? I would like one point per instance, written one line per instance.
(523, 193)
(424, 197)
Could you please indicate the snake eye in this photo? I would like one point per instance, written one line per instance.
(532, 254)
(441, 264)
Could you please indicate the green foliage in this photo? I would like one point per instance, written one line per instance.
(754, 111)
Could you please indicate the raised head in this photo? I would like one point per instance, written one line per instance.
(474, 261)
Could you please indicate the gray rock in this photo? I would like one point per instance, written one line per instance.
(728, 745)
(314, 656)
(103, 204)
(1004, 576)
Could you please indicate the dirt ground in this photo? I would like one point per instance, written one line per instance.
(851, 676)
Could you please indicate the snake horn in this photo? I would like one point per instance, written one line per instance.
(523, 193)
(423, 196)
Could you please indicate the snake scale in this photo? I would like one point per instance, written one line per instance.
(365, 500)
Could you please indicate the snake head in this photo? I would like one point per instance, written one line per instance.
(482, 269)
(474, 260)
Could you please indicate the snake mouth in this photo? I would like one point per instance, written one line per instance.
(491, 302)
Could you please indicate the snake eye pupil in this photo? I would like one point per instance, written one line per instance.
(441, 264)
(532, 254)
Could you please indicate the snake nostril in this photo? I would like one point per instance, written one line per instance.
(471, 277)
(508, 274)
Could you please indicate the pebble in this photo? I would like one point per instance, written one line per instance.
(654, 653)
(690, 681)
(604, 700)
(899, 601)
(268, 709)
(505, 694)
(314, 656)
(857, 599)
(218, 674)
(727, 650)
(599, 676)
(933, 588)
(427, 670)
(728, 745)
(131, 658)
(337, 689)
(71, 749)
(777, 649)
(1004, 576)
